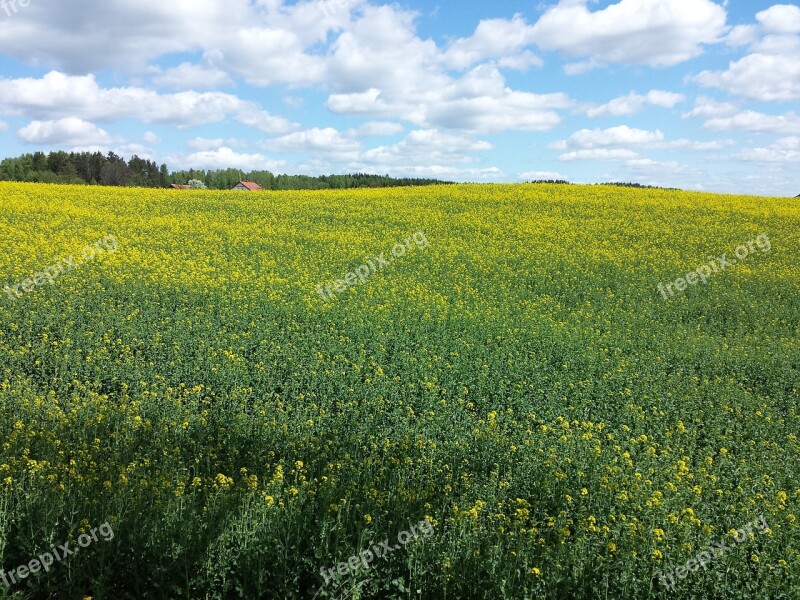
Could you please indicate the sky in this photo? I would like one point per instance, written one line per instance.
(693, 94)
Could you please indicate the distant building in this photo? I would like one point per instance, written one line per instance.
(178, 186)
(246, 186)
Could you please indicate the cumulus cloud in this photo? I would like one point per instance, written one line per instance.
(426, 147)
(378, 129)
(224, 158)
(634, 103)
(57, 95)
(617, 143)
(327, 140)
(479, 102)
(187, 76)
(495, 38)
(708, 107)
(262, 42)
(758, 76)
(657, 33)
(69, 131)
(201, 144)
(756, 122)
(446, 172)
(418, 87)
(783, 150)
(151, 138)
(599, 154)
(658, 172)
(370, 58)
(541, 176)
(771, 71)
(603, 138)
(742, 35)
(781, 18)
(685, 144)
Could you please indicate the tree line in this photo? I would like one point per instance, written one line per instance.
(94, 168)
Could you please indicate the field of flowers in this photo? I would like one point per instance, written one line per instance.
(516, 387)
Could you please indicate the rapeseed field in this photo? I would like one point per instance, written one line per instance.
(469, 391)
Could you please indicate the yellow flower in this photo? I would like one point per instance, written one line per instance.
(536, 571)
(223, 481)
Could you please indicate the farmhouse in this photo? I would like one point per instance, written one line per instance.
(178, 186)
(246, 186)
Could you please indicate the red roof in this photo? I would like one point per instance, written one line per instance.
(253, 187)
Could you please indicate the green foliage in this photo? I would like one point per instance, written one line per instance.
(88, 168)
(521, 384)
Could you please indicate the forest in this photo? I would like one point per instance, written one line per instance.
(94, 168)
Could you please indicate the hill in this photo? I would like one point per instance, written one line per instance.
(525, 391)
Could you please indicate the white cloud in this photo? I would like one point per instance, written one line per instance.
(57, 95)
(151, 138)
(201, 144)
(783, 150)
(417, 87)
(758, 76)
(601, 138)
(294, 101)
(708, 107)
(224, 158)
(445, 172)
(657, 33)
(520, 62)
(617, 143)
(778, 44)
(426, 147)
(634, 103)
(661, 173)
(781, 18)
(263, 42)
(684, 144)
(327, 140)
(369, 58)
(69, 131)
(187, 76)
(541, 175)
(599, 154)
(756, 122)
(771, 70)
(495, 38)
(378, 129)
(742, 35)
(649, 163)
(479, 102)
(3, 126)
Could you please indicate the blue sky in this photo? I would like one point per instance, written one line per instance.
(693, 94)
